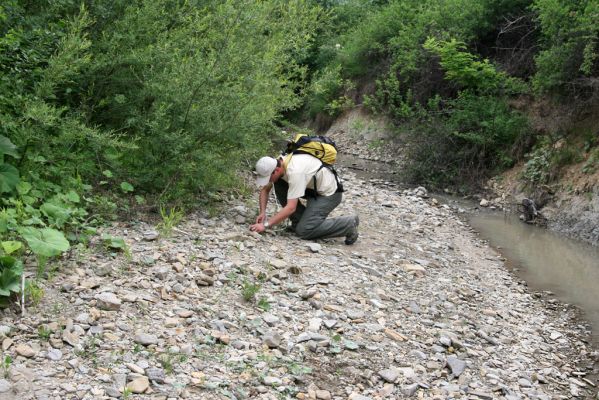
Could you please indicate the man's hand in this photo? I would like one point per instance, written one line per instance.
(260, 218)
(257, 227)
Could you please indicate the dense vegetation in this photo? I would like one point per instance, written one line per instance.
(447, 72)
(160, 101)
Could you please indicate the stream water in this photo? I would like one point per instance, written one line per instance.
(545, 260)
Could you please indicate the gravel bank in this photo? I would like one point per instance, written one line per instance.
(419, 307)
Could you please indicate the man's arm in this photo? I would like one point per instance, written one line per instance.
(282, 215)
(263, 202)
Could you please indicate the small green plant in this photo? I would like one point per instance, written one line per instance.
(168, 361)
(536, 169)
(57, 308)
(43, 332)
(298, 369)
(127, 392)
(263, 304)
(11, 270)
(249, 290)
(592, 162)
(6, 363)
(89, 349)
(170, 219)
(116, 243)
(34, 292)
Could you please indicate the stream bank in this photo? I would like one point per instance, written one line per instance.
(419, 306)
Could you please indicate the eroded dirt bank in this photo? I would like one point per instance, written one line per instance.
(418, 307)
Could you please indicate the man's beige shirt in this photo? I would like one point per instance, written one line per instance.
(299, 172)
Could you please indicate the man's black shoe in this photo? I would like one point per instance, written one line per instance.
(353, 234)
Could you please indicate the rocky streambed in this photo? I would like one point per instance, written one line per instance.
(419, 307)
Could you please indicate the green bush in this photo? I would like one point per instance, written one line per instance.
(474, 137)
(207, 89)
(569, 55)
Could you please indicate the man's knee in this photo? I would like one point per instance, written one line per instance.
(303, 231)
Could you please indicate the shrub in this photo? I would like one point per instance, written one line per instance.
(569, 47)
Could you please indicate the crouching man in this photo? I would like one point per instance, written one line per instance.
(302, 175)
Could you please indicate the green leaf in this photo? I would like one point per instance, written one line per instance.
(7, 147)
(9, 178)
(7, 262)
(11, 270)
(126, 187)
(11, 246)
(45, 242)
(140, 200)
(107, 173)
(56, 214)
(23, 188)
(114, 242)
(73, 197)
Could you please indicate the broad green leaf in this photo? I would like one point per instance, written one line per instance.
(7, 262)
(9, 178)
(7, 147)
(45, 242)
(107, 173)
(56, 214)
(126, 187)
(140, 200)
(73, 196)
(23, 188)
(11, 246)
(114, 242)
(10, 276)
(28, 200)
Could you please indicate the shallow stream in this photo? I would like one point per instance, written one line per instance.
(545, 260)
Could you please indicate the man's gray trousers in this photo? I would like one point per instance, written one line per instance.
(310, 221)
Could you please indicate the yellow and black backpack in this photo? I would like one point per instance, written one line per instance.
(321, 147)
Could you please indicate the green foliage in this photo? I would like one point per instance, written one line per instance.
(6, 363)
(207, 89)
(170, 219)
(592, 163)
(537, 168)
(249, 290)
(43, 332)
(475, 136)
(263, 304)
(45, 242)
(114, 242)
(547, 160)
(570, 34)
(468, 72)
(11, 270)
(127, 392)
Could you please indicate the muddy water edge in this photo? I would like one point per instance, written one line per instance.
(560, 269)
